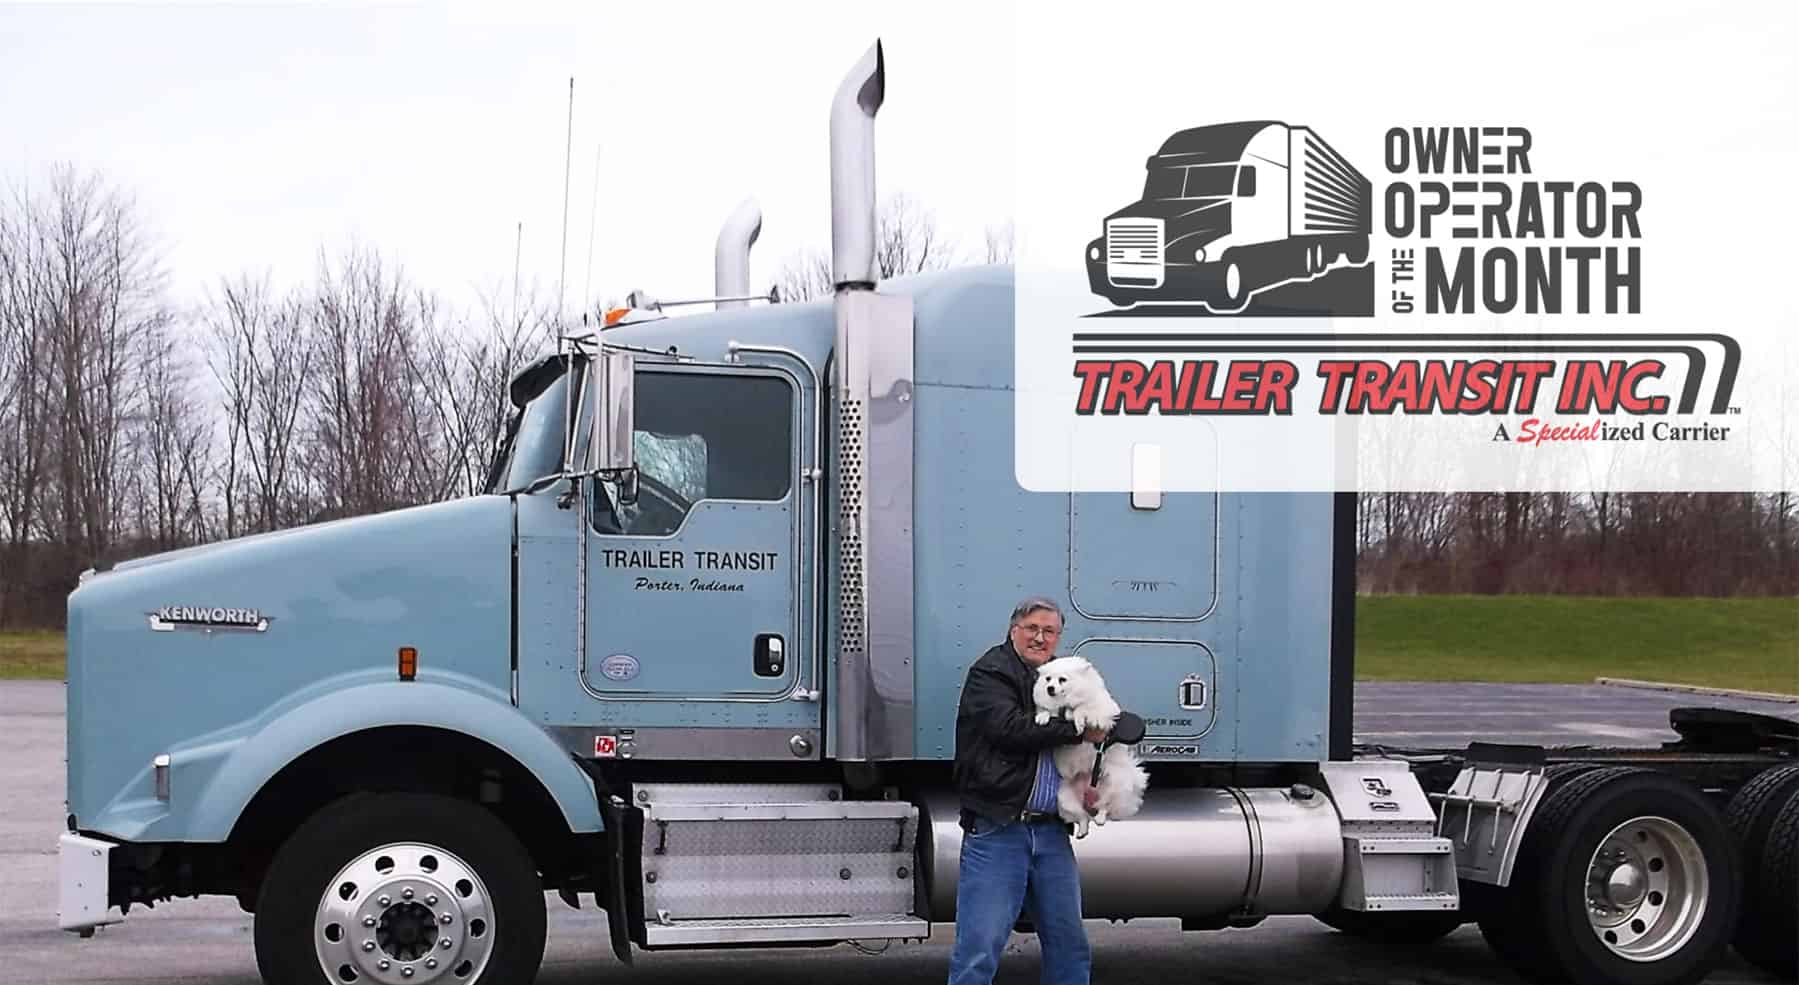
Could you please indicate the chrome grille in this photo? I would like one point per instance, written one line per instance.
(1134, 252)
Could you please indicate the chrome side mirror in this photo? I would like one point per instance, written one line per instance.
(609, 446)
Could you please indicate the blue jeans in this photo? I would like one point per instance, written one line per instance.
(1006, 868)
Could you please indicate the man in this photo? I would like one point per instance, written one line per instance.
(1015, 849)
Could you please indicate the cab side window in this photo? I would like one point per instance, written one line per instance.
(703, 436)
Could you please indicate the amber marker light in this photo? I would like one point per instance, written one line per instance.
(409, 663)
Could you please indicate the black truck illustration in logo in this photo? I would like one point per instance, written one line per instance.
(1236, 210)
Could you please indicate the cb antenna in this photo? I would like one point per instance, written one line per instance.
(592, 219)
(567, 167)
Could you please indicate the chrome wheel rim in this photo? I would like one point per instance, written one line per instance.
(1647, 889)
(402, 914)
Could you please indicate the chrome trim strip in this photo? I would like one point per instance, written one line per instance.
(689, 743)
(811, 602)
(873, 404)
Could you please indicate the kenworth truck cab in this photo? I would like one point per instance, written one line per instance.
(695, 656)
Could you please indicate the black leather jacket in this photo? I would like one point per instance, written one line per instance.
(998, 738)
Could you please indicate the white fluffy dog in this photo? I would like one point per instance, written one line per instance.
(1072, 688)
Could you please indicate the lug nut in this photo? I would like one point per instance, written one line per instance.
(431, 900)
(430, 962)
(405, 972)
(446, 944)
(385, 964)
(407, 893)
(385, 900)
(368, 921)
(368, 945)
(445, 919)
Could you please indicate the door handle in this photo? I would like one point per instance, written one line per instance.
(771, 655)
(1193, 693)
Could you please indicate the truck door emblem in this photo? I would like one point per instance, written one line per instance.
(1236, 210)
(619, 667)
(172, 617)
(605, 747)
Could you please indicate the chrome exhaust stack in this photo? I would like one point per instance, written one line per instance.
(871, 398)
(731, 257)
(859, 98)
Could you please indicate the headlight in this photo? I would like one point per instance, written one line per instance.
(1199, 255)
(1093, 252)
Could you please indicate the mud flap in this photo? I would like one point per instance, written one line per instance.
(624, 899)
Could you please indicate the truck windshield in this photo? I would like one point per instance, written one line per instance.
(1190, 181)
(534, 448)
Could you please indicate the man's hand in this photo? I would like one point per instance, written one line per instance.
(1095, 735)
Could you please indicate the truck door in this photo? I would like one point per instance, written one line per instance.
(698, 643)
(1143, 575)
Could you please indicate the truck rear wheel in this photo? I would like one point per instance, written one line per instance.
(1768, 929)
(400, 888)
(1626, 877)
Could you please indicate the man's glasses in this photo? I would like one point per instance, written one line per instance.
(1035, 631)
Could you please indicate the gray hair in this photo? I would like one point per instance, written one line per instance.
(1035, 603)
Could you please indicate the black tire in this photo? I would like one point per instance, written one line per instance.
(1548, 899)
(303, 870)
(1394, 930)
(1773, 944)
(1502, 912)
(1222, 300)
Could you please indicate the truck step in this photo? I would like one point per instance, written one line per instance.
(782, 853)
(1399, 873)
(785, 930)
(1415, 901)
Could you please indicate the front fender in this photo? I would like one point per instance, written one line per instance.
(213, 779)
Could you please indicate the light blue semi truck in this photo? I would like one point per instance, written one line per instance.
(695, 659)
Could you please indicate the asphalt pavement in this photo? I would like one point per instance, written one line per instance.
(208, 942)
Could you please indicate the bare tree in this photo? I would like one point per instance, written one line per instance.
(23, 356)
(1000, 247)
(465, 371)
(907, 241)
(366, 435)
(175, 444)
(262, 358)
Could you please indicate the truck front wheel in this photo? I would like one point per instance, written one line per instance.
(400, 888)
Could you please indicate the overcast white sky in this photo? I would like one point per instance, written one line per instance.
(255, 135)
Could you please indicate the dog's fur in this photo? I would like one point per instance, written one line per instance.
(1072, 688)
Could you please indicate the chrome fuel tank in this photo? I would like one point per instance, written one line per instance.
(1189, 853)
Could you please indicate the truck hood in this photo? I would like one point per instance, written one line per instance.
(189, 553)
(191, 647)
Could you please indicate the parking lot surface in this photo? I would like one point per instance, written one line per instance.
(207, 941)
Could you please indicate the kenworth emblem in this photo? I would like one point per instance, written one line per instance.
(173, 617)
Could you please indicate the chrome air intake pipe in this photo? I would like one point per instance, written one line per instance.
(731, 257)
(1192, 852)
